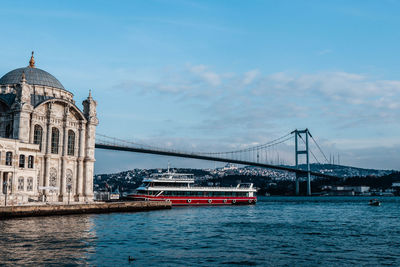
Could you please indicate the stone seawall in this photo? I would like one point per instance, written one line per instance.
(48, 210)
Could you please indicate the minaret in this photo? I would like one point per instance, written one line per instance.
(89, 110)
(22, 109)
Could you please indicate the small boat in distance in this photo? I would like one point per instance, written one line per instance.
(374, 202)
(180, 189)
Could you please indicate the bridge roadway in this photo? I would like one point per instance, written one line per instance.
(204, 157)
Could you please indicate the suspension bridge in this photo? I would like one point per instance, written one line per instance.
(262, 155)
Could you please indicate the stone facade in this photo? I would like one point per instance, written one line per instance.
(46, 141)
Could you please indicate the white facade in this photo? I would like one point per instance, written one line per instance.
(356, 189)
(46, 141)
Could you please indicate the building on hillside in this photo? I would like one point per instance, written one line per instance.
(346, 190)
(46, 142)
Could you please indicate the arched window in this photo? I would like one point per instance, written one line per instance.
(9, 158)
(55, 137)
(71, 143)
(22, 161)
(37, 136)
(8, 131)
(30, 162)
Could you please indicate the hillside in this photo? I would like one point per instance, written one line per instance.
(271, 181)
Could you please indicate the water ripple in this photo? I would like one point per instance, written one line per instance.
(278, 231)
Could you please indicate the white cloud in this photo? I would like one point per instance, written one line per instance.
(250, 76)
(231, 96)
(202, 71)
(253, 107)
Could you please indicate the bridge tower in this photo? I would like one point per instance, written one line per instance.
(298, 134)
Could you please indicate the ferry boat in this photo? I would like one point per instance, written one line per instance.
(180, 189)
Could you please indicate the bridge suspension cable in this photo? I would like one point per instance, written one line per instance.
(251, 156)
(262, 146)
(254, 152)
(322, 152)
(310, 149)
(125, 141)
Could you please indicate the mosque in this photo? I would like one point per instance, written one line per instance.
(46, 142)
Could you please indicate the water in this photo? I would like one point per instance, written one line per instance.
(278, 231)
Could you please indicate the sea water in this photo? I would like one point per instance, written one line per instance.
(277, 231)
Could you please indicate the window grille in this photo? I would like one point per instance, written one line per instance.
(55, 137)
(29, 184)
(8, 158)
(37, 136)
(30, 162)
(8, 131)
(21, 183)
(71, 143)
(53, 177)
(22, 161)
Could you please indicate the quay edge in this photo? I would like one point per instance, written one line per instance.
(104, 207)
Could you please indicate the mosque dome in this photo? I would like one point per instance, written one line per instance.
(33, 76)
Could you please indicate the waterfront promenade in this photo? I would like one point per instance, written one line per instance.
(62, 209)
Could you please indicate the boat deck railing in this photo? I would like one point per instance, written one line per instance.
(201, 188)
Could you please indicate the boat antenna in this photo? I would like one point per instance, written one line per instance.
(168, 167)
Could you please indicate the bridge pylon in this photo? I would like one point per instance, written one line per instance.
(298, 134)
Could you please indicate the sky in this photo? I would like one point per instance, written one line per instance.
(221, 75)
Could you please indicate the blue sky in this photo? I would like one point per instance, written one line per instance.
(219, 75)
